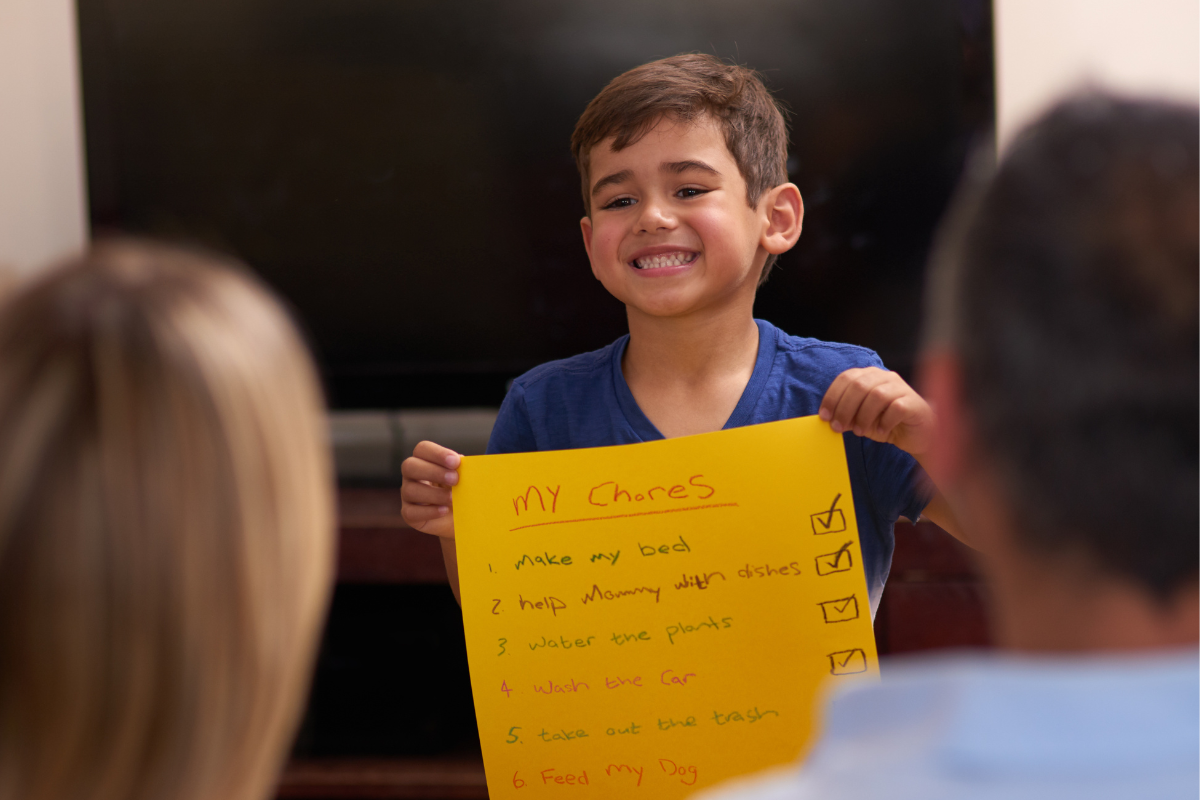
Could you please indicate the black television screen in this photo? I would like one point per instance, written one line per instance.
(399, 170)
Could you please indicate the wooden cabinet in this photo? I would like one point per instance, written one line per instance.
(408, 778)
(376, 546)
(934, 598)
(370, 693)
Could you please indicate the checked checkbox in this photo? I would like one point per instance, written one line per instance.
(838, 561)
(832, 520)
(847, 662)
(843, 609)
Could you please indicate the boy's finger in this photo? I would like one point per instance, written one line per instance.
(833, 394)
(913, 412)
(427, 519)
(416, 515)
(852, 398)
(435, 453)
(420, 469)
(869, 418)
(424, 494)
(896, 412)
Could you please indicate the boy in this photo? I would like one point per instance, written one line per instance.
(682, 163)
(1063, 360)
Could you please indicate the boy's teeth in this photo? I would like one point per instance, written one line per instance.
(664, 260)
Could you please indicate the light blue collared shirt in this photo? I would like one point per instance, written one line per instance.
(974, 727)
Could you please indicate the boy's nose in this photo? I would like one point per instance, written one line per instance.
(654, 217)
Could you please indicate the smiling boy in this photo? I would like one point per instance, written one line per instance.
(688, 205)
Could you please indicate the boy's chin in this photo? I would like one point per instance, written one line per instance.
(687, 302)
(666, 308)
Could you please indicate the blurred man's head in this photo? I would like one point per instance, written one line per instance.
(1062, 359)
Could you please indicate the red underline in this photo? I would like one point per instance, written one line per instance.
(619, 516)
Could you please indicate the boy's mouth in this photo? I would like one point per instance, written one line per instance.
(675, 259)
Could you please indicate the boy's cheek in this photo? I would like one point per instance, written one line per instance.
(726, 237)
(605, 251)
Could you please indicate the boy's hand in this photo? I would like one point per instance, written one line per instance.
(879, 405)
(425, 493)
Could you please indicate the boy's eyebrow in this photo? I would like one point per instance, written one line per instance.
(609, 180)
(683, 166)
(675, 167)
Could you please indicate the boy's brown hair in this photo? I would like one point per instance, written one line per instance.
(687, 87)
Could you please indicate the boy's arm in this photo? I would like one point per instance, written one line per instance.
(425, 499)
(433, 469)
(878, 405)
(450, 557)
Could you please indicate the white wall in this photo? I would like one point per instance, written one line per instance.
(42, 200)
(1045, 48)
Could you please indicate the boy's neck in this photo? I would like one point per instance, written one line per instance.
(688, 373)
(691, 347)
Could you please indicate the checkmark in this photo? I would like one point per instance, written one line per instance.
(843, 609)
(831, 520)
(847, 662)
(838, 561)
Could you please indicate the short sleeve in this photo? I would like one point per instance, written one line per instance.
(896, 482)
(512, 432)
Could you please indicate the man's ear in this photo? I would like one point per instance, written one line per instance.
(585, 225)
(939, 375)
(785, 217)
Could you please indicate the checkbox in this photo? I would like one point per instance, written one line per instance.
(838, 561)
(847, 662)
(831, 520)
(843, 609)
(826, 522)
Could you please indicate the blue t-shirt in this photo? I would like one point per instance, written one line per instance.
(584, 401)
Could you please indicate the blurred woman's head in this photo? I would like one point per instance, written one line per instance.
(165, 530)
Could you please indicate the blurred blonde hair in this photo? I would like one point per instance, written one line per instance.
(165, 530)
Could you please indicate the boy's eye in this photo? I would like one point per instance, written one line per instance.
(620, 202)
(690, 191)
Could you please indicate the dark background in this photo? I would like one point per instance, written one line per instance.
(391, 678)
(399, 169)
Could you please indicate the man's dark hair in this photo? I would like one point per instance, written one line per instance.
(1071, 298)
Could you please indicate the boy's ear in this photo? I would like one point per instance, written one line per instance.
(784, 210)
(585, 225)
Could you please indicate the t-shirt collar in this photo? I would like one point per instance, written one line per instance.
(743, 412)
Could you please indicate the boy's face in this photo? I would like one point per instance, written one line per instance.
(670, 233)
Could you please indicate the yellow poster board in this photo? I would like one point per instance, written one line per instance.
(655, 618)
